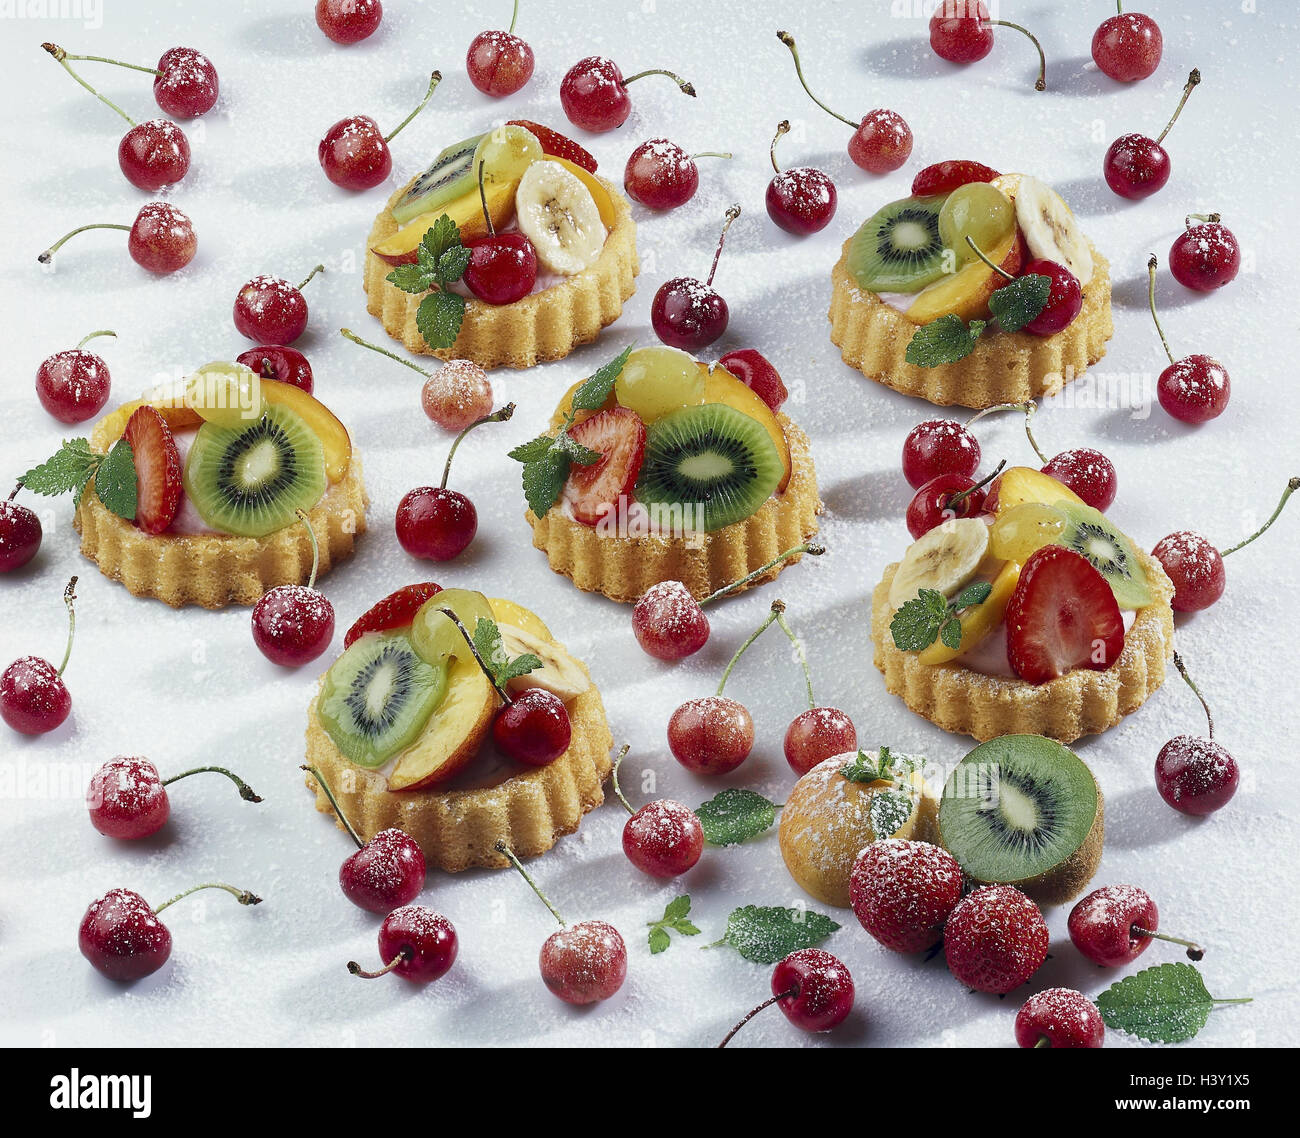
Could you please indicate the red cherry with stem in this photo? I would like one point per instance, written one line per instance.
(1206, 256)
(1136, 166)
(294, 624)
(663, 838)
(123, 938)
(1127, 46)
(73, 385)
(161, 239)
(944, 177)
(801, 201)
(127, 797)
(1196, 776)
(33, 697)
(812, 988)
(502, 266)
(418, 944)
(499, 63)
(348, 21)
(669, 623)
(661, 175)
(945, 498)
(881, 141)
(354, 152)
(1064, 294)
(1194, 389)
(185, 83)
(20, 533)
(962, 32)
(939, 446)
(594, 94)
(382, 874)
(534, 727)
(455, 396)
(690, 314)
(1113, 926)
(583, 963)
(270, 310)
(756, 372)
(1059, 1017)
(286, 365)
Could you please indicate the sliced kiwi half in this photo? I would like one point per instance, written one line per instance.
(377, 697)
(1113, 555)
(250, 480)
(711, 463)
(450, 176)
(898, 248)
(1023, 810)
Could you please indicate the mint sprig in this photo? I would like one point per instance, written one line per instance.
(765, 934)
(886, 767)
(1164, 1004)
(1019, 301)
(735, 815)
(493, 654)
(892, 805)
(74, 464)
(949, 338)
(928, 616)
(675, 918)
(441, 260)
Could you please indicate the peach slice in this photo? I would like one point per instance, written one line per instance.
(507, 612)
(979, 620)
(332, 434)
(966, 292)
(1020, 484)
(723, 387)
(466, 211)
(454, 733)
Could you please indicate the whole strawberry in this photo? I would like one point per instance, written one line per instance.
(902, 892)
(1059, 1017)
(995, 939)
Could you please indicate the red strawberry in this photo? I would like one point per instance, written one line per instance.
(158, 473)
(1062, 615)
(754, 370)
(944, 177)
(557, 144)
(902, 892)
(618, 436)
(995, 939)
(395, 611)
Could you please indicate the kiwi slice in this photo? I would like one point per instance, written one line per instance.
(1023, 810)
(898, 249)
(378, 696)
(714, 463)
(1113, 555)
(250, 480)
(450, 176)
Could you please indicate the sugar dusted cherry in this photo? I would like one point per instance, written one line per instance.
(939, 446)
(33, 697)
(499, 63)
(348, 21)
(73, 385)
(127, 797)
(1127, 46)
(1059, 1017)
(664, 838)
(20, 533)
(813, 989)
(661, 175)
(1205, 256)
(415, 943)
(161, 239)
(594, 94)
(1196, 775)
(801, 200)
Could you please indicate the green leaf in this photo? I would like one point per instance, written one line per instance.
(452, 265)
(917, 622)
(943, 341)
(862, 769)
(593, 392)
(678, 907)
(659, 939)
(975, 594)
(116, 482)
(675, 917)
(438, 238)
(68, 469)
(544, 479)
(533, 450)
(1019, 301)
(734, 815)
(950, 634)
(1164, 1004)
(410, 278)
(888, 812)
(765, 934)
(582, 455)
(487, 639)
(439, 318)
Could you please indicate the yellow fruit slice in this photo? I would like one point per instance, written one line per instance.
(1025, 529)
(113, 426)
(604, 203)
(723, 387)
(966, 292)
(1021, 484)
(332, 434)
(507, 612)
(466, 211)
(978, 620)
(454, 732)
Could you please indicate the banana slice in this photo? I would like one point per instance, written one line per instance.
(557, 213)
(944, 559)
(1050, 230)
(560, 674)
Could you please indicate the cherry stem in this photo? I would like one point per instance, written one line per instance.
(334, 804)
(61, 57)
(505, 850)
(1151, 302)
(348, 334)
(499, 416)
(86, 339)
(732, 213)
(1194, 950)
(513, 17)
(434, 80)
(1040, 84)
(812, 548)
(114, 62)
(245, 791)
(69, 595)
(1213, 218)
(305, 283)
(618, 792)
(1182, 671)
(1029, 407)
(957, 498)
(778, 607)
(980, 254)
(243, 896)
(401, 958)
(14, 493)
(765, 1004)
(784, 625)
(482, 197)
(686, 88)
(1291, 487)
(478, 659)
(44, 258)
(315, 547)
(787, 39)
(782, 128)
(1192, 80)
(712, 154)
(1043, 1041)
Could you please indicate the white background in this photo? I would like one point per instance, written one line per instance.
(188, 687)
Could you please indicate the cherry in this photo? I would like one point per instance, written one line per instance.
(690, 314)
(1205, 256)
(161, 239)
(812, 988)
(939, 446)
(348, 21)
(502, 266)
(123, 938)
(286, 365)
(944, 498)
(1194, 566)
(881, 142)
(33, 697)
(1064, 298)
(962, 32)
(1113, 926)
(418, 944)
(944, 177)
(499, 63)
(127, 797)
(436, 523)
(1059, 1017)
(1194, 775)
(294, 624)
(455, 396)
(1089, 473)
(1137, 166)
(1194, 389)
(185, 84)
(20, 533)
(801, 201)
(663, 838)
(1127, 46)
(354, 152)
(756, 372)
(669, 623)
(661, 175)
(582, 964)
(594, 94)
(383, 873)
(73, 385)
(270, 310)
(533, 727)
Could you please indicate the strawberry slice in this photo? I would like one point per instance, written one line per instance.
(1062, 615)
(618, 435)
(557, 144)
(158, 473)
(944, 177)
(396, 610)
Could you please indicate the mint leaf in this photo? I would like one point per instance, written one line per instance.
(437, 240)
(491, 650)
(943, 341)
(862, 769)
(67, 470)
(582, 455)
(889, 811)
(1164, 1004)
(950, 634)
(1019, 301)
(765, 934)
(544, 479)
(452, 264)
(735, 815)
(917, 623)
(410, 278)
(116, 483)
(439, 318)
(594, 391)
(533, 450)
(975, 594)
(676, 914)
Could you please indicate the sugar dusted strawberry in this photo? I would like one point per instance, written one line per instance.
(995, 939)
(557, 144)
(902, 892)
(1061, 616)
(618, 436)
(395, 611)
(944, 177)
(158, 471)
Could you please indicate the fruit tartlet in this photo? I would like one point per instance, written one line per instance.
(196, 493)
(917, 289)
(461, 721)
(507, 250)
(659, 467)
(1039, 617)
